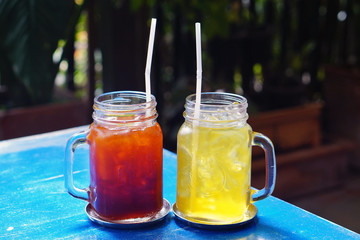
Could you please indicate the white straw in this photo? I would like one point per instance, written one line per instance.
(148, 60)
(198, 70)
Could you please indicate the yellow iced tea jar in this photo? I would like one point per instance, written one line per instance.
(214, 160)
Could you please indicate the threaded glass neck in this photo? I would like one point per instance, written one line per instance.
(217, 109)
(124, 107)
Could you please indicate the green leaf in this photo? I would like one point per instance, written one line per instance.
(30, 31)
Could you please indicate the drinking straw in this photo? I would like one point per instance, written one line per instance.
(195, 135)
(148, 60)
(198, 70)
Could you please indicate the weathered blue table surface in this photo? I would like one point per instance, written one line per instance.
(35, 205)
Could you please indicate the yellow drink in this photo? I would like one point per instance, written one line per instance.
(214, 164)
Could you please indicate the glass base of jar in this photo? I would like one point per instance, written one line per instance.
(129, 223)
(210, 224)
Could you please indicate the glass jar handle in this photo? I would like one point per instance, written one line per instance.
(75, 140)
(266, 144)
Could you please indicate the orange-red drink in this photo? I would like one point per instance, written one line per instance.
(126, 152)
(126, 171)
(126, 156)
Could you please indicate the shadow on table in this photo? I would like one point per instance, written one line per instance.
(249, 231)
(171, 228)
(146, 232)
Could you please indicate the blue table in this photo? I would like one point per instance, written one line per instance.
(34, 203)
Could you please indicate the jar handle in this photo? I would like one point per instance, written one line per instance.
(266, 144)
(75, 140)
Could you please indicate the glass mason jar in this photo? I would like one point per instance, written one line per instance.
(126, 154)
(214, 160)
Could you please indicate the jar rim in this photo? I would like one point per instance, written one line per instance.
(124, 107)
(216, 100)
(123, 100)
(217, 108)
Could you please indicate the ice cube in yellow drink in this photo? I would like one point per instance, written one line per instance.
(213, 182)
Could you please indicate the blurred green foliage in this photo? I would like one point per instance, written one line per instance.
(284, 38)
(30, 33)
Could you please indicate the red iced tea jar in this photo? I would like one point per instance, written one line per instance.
(126, 152)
